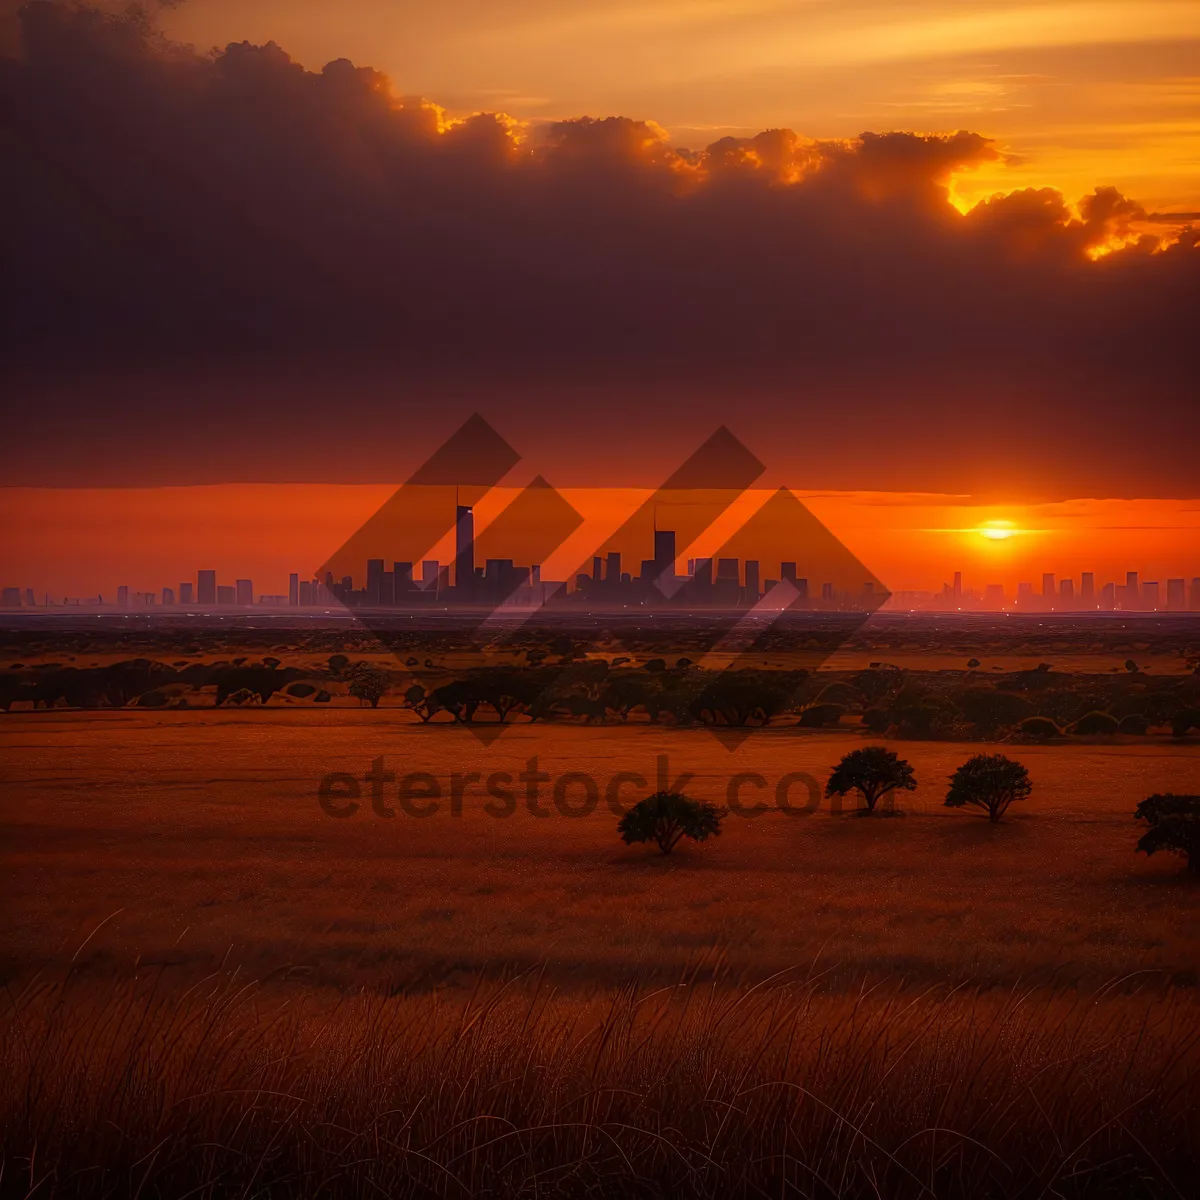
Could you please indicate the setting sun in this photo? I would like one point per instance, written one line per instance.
(998, 531)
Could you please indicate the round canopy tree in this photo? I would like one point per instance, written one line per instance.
(873, 772)
(1174, 825)
(989, 781)
(368, 684)
(665, 818)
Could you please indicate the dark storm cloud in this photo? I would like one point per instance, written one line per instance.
(234, 217)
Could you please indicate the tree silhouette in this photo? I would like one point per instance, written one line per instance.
(1183, 720)
(1094, 723)
(422, 703)
(1174, 825)
(461, 698)
(820, 716)
(623, 694)
(667, 817)
(989, 781)
(873, 772)
(990, 710)
(506, 691)
(368, 683)
(1039, 727)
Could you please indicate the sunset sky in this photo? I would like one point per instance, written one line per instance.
(930, 260)
(89, 541)
(1076, 92)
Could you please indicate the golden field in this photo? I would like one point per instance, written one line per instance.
(215, 988)
(197, 836)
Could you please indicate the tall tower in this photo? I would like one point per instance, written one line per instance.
(753, 586)
(206, 587)
(612, 571)
(464, 551)
(664, 552)
(374, 580)
(1131, 595)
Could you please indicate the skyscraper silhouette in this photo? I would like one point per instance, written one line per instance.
(612, 571)
(206, 587)
(752, 581)
(375, 575)
(464, 551)
(664, 552)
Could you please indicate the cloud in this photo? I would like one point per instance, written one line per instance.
(177, 213)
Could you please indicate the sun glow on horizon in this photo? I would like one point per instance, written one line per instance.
(998, 531)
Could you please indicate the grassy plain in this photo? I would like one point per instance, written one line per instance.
(215, 988)
(197, 836)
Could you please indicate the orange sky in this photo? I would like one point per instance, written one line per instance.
(81, 542)
(1077, 92)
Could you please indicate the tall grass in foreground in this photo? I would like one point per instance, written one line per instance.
(124, 1089)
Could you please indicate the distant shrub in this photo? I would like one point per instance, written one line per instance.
(322, 697)
(1093, 723)
(877, 720)
(338, 663)
(1039, 727)
(879, 683)
(656, 665)
(368, 684)
(623, 693)
(1134, 723)
(1174, 826)
(1158, 706)
(873, 772)
(300, 690)
(739, 698)
(1130, 665)
(1034, 680)
(839, 693)
(972, 663)
(821, 716)
(991, 782)
(1183, 720)
(665, 818)
(989, 710)
(931, 718)
(461, 698)
(421, 702)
